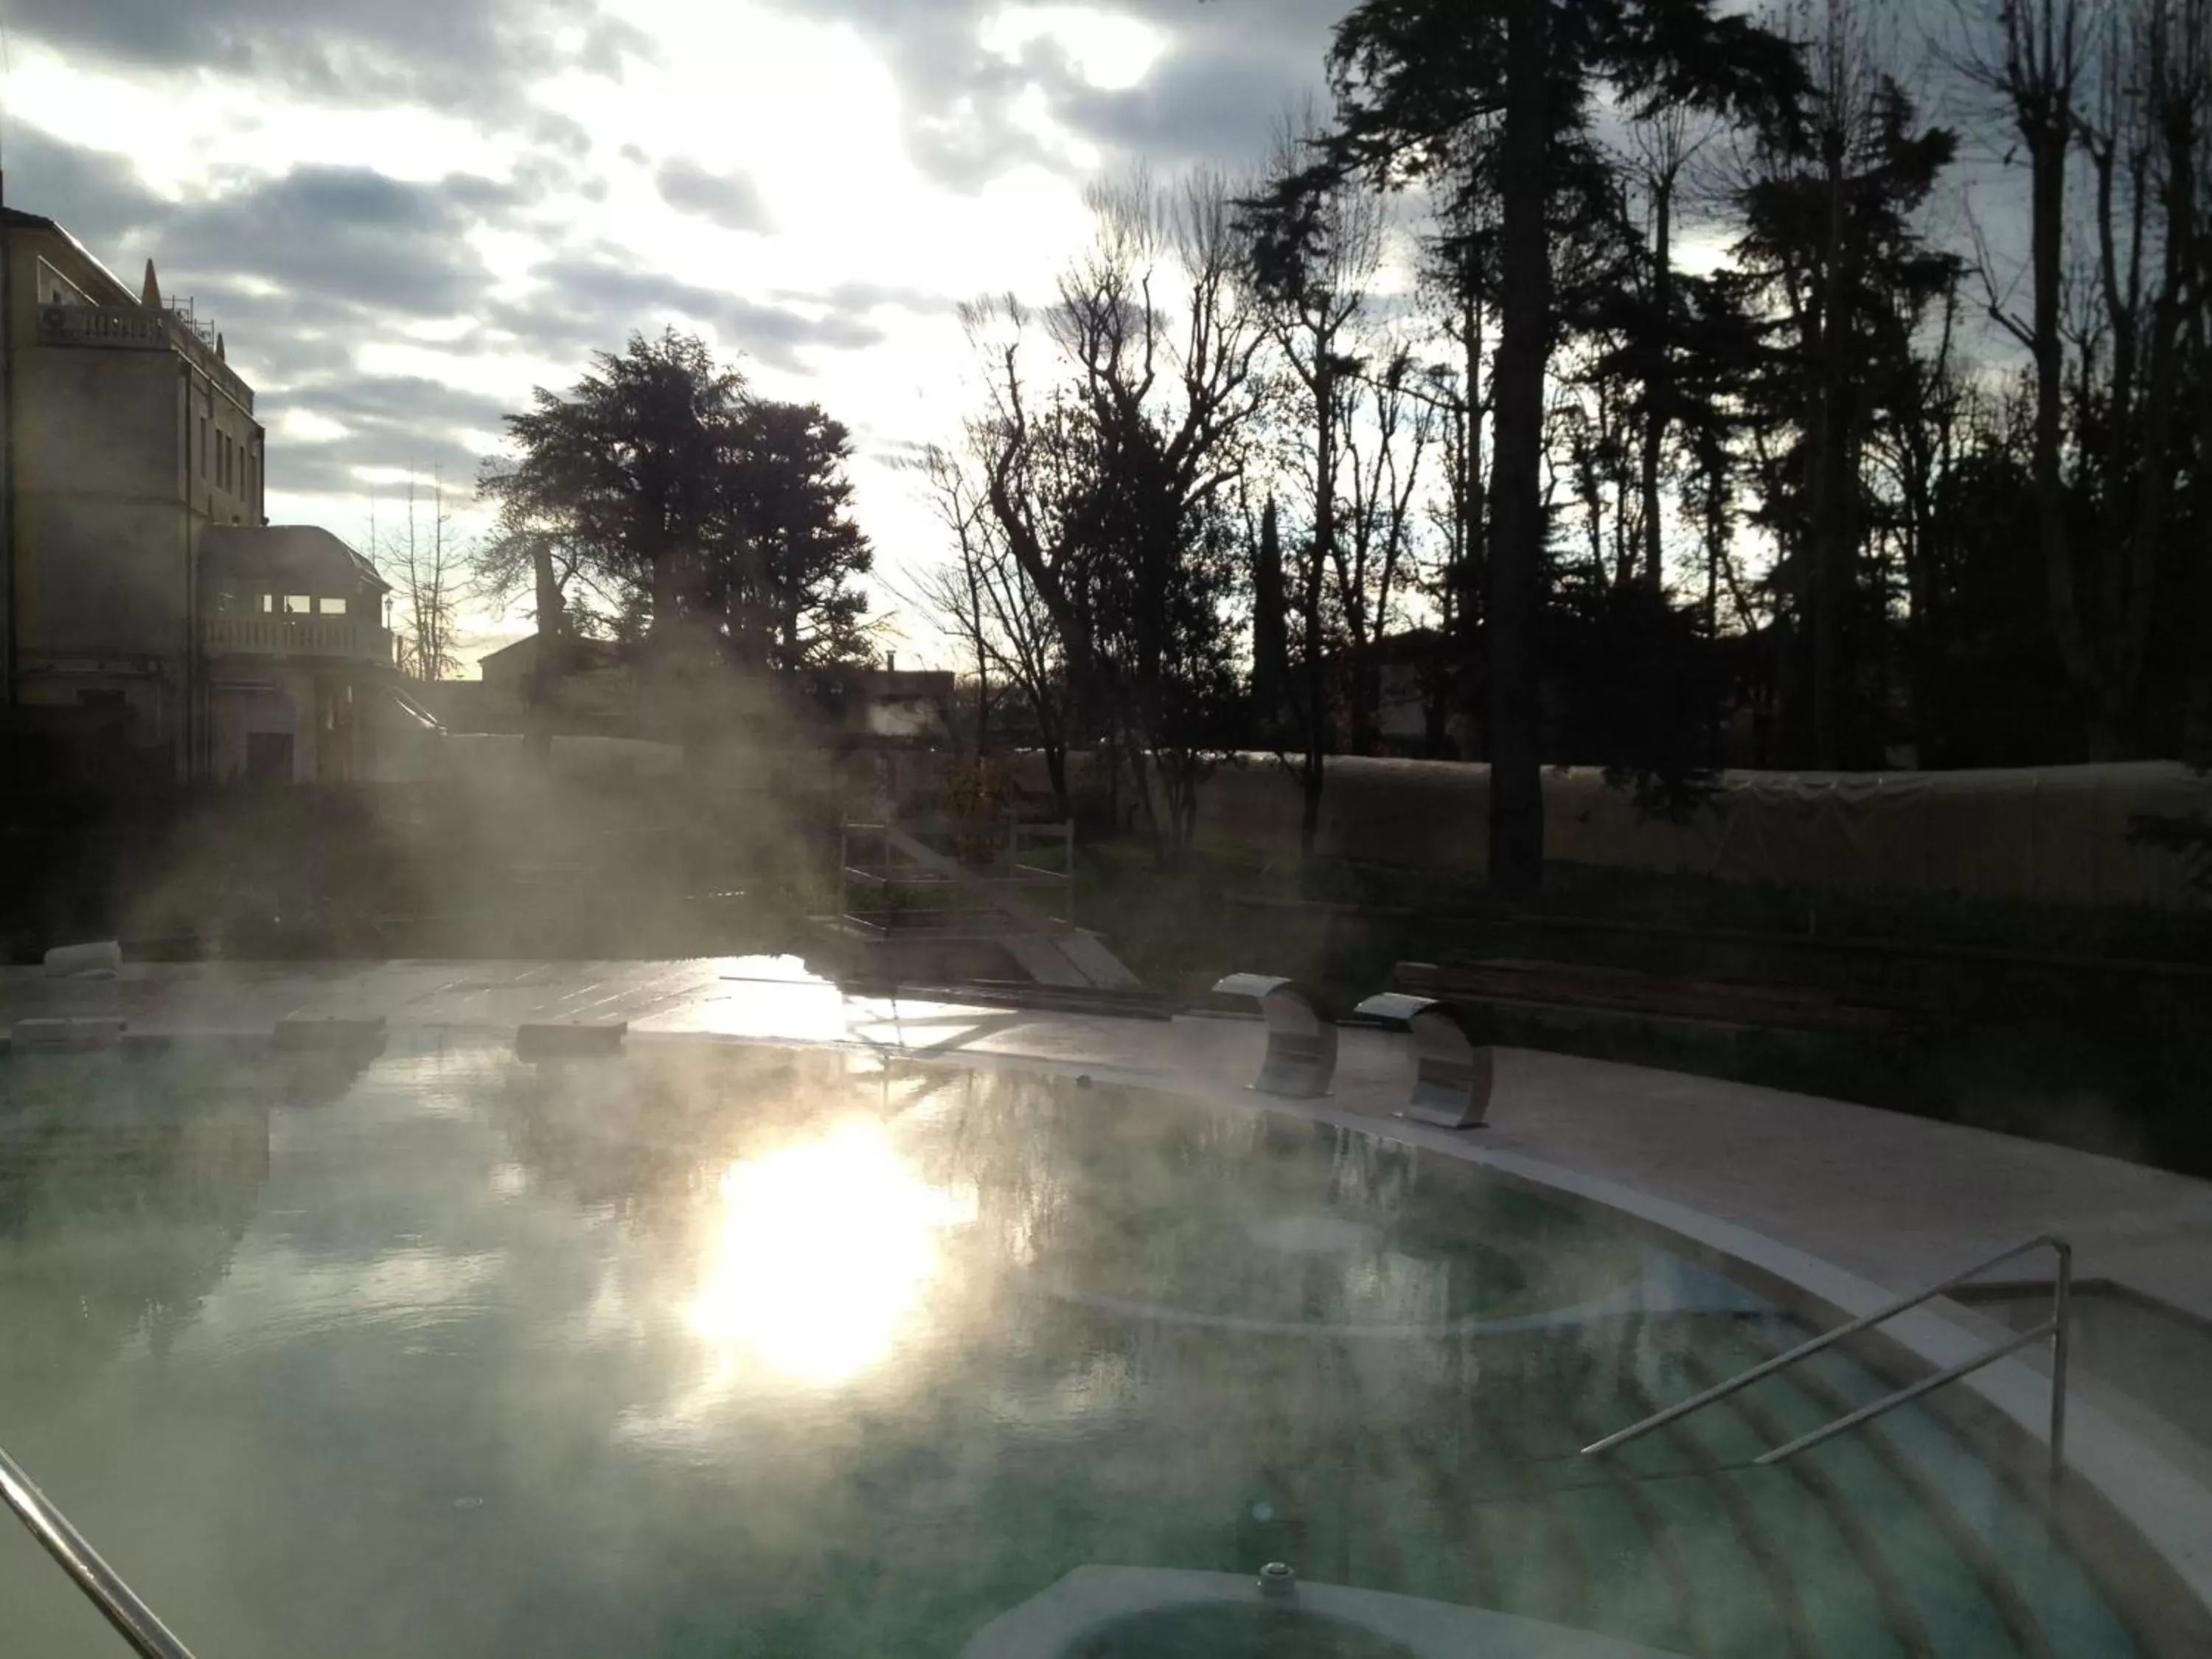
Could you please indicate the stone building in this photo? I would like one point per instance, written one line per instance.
(141, 585)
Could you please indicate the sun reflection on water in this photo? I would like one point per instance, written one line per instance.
(821, 1252)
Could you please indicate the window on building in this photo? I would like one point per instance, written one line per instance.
(203, 446)
(330, 607)
(268, 606)
(103, 697)
(298, 604)
(223, 464)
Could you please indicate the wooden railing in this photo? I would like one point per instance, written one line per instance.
(350, 637)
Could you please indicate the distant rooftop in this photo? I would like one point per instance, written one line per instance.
(597, 653)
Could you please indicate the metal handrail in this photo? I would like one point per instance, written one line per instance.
(2055, 1327)
(102, 1585)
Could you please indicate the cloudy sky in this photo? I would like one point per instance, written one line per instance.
(405, 214)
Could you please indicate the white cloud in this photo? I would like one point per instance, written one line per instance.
(295, 425)
(1111, 51)
(185, 133)
(821, 115)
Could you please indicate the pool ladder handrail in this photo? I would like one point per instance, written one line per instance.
(102, 1585)
(2055, 1327)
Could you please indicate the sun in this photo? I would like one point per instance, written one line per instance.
(822, 1253)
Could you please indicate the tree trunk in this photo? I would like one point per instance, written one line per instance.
(552, 629)
(1658, 393)
(2047, 149)
(1830, 585)
(1517, 543)
(2163, 391)
(2197, 732)
(2197, 736)
(1471, 580)
(1055, 772)
(1324, 550)
(1271, 651)
(1312, 774)
(1716, 527)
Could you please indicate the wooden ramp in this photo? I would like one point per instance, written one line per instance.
(926, 896)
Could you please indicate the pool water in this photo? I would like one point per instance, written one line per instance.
(1257, 1632)
(724, 1351)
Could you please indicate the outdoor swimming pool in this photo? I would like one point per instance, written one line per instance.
(720, 1350)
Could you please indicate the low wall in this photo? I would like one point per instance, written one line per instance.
(403, 757)
(2051, 836)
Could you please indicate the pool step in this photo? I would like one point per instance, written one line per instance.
(1896, 1542)
(2002, 1528)
(1930, 1594)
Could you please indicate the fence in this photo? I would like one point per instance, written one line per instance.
(2061, 835)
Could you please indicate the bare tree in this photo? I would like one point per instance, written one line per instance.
(1664, 144)
(1452, 281)
(1314, 254)
(2122, 91)
(1105, 446)
(1847, 75)
(2143, 132)
(2198, 728)
(427, 562)
(2033, 55)
(1389, 425)
(983, 599)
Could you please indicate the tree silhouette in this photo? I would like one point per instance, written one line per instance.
(1844, 280)
(1465, 95)
(1113, 430)
(713, 525)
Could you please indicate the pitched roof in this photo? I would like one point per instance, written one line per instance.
(595, 651)
(16, 219)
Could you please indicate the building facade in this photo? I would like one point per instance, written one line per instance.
(140, 580)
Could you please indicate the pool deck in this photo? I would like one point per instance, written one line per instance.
(1849, 1204)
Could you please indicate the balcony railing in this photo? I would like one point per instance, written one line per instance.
(139, 328)
(349, 637)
